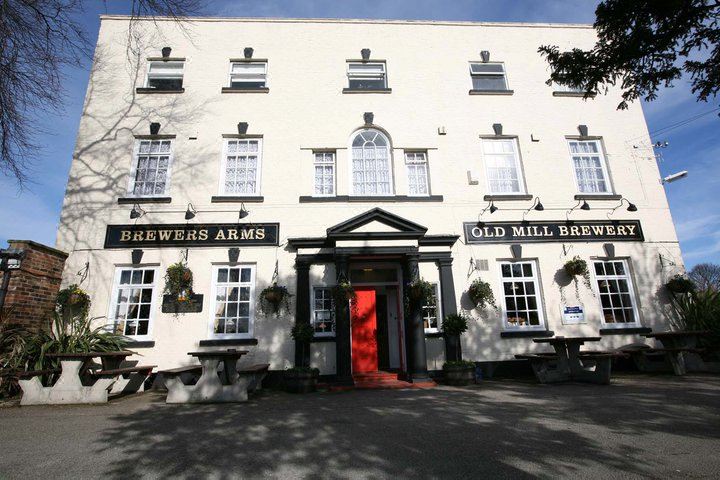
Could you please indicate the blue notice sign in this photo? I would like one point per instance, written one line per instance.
(572, 315)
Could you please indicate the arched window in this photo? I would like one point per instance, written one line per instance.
(371, 164)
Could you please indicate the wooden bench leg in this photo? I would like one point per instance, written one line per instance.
(134, 383)
(547, 373)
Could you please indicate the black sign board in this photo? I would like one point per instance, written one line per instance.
(192, 235)
(570, 231)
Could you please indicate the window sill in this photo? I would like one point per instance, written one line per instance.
(140, 344)
(134, 200)
(323, 339)
(367, 90)
(237, 199)
(624, 330)
(502, 198)
(491, 92)
(573, 94)
(370, 198)
(526, 333)
(244, 90)
(434, 335)
(157, 90)
(228, 341)
(598, 196)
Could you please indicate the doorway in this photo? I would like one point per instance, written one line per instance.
(376, 318)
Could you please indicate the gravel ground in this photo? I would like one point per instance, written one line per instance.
(641, 426)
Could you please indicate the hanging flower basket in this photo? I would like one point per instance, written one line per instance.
(680, 284)
(344, 291)
(421, 291)
(481, 294)
(73, 302)
(179, 283)
(274, 298)
(577, 267)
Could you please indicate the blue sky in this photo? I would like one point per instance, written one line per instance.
(33, 212)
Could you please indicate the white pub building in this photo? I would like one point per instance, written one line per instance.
(306, 152)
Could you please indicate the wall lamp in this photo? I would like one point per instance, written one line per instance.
(136, 212)
(582, 205)
(190, 212)
(491, 206)
(631, 207)
(537, 206)
(243, 212)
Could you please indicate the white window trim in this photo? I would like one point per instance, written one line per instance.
(427, 172)
(391, 166)
(631, 290)
(518, 167)
(367, 75)
(603, 164)
(507, 327)
(334, 166)
(498, 74)
(153, 302)
(312, 311)
(223, 164)
(133, 168)
(213, 303)
(438, 310)
(146, 84)
(230, 73)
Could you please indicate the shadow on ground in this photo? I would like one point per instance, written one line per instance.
(639, 426)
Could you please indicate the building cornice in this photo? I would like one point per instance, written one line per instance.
(358, 21)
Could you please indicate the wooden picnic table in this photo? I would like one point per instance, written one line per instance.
(569, 363)
(210, 359)
(568, 351)
(681, 349)
(109, 360)
(76, 384)
(230, 386)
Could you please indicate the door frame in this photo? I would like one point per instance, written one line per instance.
(398, 284)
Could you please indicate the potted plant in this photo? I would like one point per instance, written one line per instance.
(274, 298)
(421, 291)
(179, 283)
(457, 371)
(481, 294)
(301, 378)
(680, 284)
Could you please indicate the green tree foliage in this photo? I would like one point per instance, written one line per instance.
(643, 45)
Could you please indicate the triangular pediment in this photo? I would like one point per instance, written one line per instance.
(376, 223)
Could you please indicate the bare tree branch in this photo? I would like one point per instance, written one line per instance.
(38, 38)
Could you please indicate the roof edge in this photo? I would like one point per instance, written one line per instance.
(361, 21)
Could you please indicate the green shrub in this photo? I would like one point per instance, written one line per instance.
(455, 324)
(458, 364)
(179, 282)
(698, 311)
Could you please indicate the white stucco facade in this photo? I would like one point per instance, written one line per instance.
(305, 110)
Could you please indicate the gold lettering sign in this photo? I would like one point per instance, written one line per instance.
(585, 231)
(187, 235)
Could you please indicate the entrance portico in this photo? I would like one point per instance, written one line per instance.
(363, 250)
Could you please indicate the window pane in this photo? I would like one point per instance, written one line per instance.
(487, 68)
(616, 300)
(489, 82)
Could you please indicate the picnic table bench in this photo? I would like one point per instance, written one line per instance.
(212, 386)
(79, 383)
(679, 352)
(569, 363)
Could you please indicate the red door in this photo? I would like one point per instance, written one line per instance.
(364, 325)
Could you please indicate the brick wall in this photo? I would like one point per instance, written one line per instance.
(32, 290)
